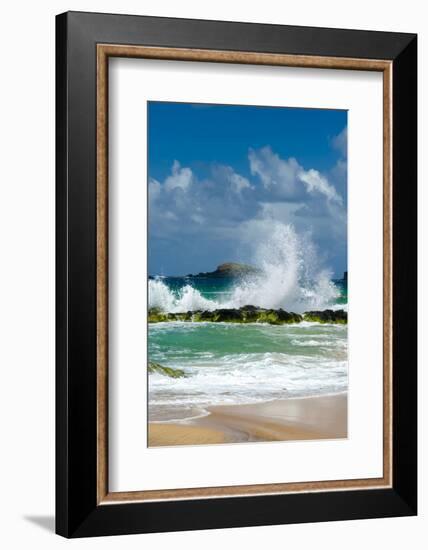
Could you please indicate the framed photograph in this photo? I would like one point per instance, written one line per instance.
(236, 274)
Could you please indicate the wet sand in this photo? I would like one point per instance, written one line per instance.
(323, 417)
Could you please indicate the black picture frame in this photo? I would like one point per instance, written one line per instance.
(77, 512)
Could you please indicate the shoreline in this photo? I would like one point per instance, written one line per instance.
(293, 419)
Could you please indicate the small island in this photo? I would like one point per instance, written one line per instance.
(228, 270)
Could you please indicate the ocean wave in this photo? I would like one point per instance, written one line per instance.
(245, 378)
(289, 277)
(320, 343)
(186, 299)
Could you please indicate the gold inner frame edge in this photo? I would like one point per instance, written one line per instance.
(104, 51)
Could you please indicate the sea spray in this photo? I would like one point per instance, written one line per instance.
(290, 277)
(186, 299)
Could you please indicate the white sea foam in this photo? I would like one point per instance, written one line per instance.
(186, 299)
(290, 278)
(270, 362)
(248, 378)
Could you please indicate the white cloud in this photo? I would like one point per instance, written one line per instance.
(168, 215)
(239, 183)
(180, 178)
(228, 179)
(279, 210)
(284, 177)
(197, 218)
(276, 174)
(202, 221)
(340, 142)
(154, 189)
(317, 183)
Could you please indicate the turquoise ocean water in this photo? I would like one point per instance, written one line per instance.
(229, 363)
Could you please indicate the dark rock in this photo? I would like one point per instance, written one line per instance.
(289, 316)
(327, 316)
(228, 316)
(155, 315)
(250, 314)
(202, 316)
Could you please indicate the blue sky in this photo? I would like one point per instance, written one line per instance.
(218, 171)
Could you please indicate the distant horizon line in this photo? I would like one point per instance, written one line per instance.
(344, 274)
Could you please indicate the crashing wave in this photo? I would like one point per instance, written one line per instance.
(290, 277)
(185, 299)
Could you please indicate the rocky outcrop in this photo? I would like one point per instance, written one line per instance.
(158, 316)
(327, 316)
(229, 269)
(165, 371)
(250, 314)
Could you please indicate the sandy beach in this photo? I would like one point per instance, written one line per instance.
(323, 417)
